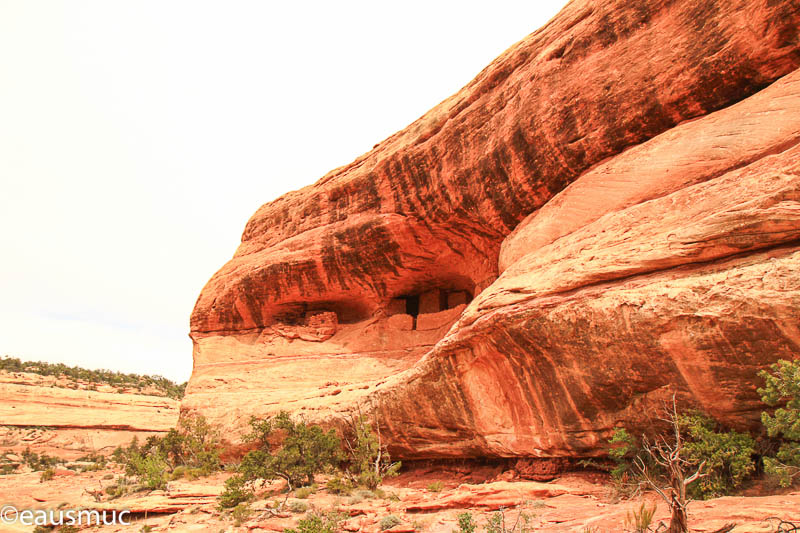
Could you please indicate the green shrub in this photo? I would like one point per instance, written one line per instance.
(782, 385)
(121, 487)
(47, 475)
(241, 513)
(339, 485)
(39, 462)
(366, 494)
(304, 492)
(305, 450)
(623, 449)
(237, 490)
(179, 472)
(372, 494)
(466, 524)
(497, 523)
(640, 519)
(151, 470)
(436, 486)
(298, 506)
(93, 458)
(369, 460)
(728, 455)
(388, 522)
(96, 462)
(195, 444)
(318, 523)
(192, 449)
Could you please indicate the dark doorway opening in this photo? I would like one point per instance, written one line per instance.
(412, 307)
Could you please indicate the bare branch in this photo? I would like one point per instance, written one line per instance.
(642, 467)
(697, 475)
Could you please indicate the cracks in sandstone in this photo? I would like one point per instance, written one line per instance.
(490, 310)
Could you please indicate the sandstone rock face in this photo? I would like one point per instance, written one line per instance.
(608, 212)
(35, 413)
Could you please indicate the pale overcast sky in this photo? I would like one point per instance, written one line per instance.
(137, 138)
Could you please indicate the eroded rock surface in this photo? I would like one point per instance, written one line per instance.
(43, 414)
(629, 171)
(571, 504)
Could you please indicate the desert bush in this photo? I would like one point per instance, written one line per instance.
(179, 472)
(93, 458)
(241, 513)
(436, 486)
(640, 520)
(7, 466)
(192, 449)
(121, 487)
(728, 455)
(121, 453)
(39, 462)
(194, 444)
(388, 522)
(318, 523)
(369, 460)
(497, 523)
(47, 475)
(782, 386)
(466, 524)
(237, 490)
(366, 494)
(305, 450)
(298, 506)
(370, 494)
(95, 462)
(304, 492)
(339, 485)
(151, 470)
(622, 451)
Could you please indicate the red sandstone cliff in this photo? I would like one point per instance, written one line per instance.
(610, 210)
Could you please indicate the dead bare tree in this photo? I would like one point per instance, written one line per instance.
(96, 494)
(370, 462)
(666, 452)
(783, 526)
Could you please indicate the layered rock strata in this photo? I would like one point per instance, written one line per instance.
(607, 213)
(43, 414)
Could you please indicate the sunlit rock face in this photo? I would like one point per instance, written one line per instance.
(68, 419)
(607, 213)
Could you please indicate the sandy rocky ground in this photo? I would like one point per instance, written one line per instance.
(571, 503)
